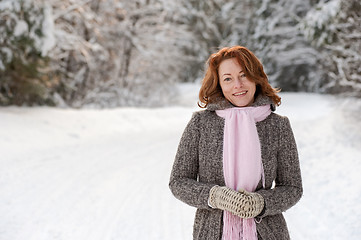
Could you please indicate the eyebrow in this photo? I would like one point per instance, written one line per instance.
(230, 74)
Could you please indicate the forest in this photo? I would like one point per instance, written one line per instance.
(113, 53)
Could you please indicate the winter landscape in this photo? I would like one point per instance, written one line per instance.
(95, 95)
(103, 174)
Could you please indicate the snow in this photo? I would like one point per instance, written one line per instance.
(329, 142)
(317, 21)
(48, 31)
(9, 4)
(21, 28)
(323, 13)
(103, 174)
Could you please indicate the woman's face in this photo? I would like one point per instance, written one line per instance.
(236, 87)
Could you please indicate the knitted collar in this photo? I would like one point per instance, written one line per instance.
(222, 103)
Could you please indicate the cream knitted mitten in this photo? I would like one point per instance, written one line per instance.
(243, 204)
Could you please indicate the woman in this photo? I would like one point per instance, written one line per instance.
(237, 161)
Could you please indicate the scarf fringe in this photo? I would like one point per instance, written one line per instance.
(235, 228)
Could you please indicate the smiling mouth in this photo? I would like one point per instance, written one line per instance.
(240, 93)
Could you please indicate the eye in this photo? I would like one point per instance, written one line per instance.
(243, 75)
(227, 79)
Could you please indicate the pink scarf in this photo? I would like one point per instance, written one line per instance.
(242, 163)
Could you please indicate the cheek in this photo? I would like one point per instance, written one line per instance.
(226, 89)
(252, 86)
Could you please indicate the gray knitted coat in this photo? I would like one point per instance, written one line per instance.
(198, 167)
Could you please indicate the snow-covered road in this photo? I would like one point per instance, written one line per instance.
(103, 174)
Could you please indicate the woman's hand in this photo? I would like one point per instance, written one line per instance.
(243, 204)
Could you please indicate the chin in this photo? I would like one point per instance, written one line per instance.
(242, 104)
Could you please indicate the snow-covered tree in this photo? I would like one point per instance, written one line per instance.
(290, 61)
(333, 27)
(114, 53)
(213, 24)
(24, 44)
(158, 58)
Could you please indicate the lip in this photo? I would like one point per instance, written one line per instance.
(240, 93)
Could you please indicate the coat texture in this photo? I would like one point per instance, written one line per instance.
(198, 167)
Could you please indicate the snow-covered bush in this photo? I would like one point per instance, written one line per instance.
(23, 48)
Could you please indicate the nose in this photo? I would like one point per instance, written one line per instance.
(238, 83)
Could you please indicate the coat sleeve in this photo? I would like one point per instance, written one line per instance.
(288, 183)
(183, 180)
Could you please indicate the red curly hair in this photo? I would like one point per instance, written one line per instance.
(211, 90)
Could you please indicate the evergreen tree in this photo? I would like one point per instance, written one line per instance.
(23, 67)
(333, 28)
